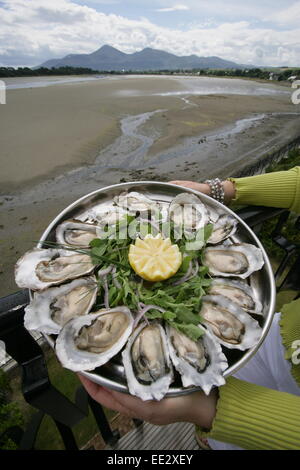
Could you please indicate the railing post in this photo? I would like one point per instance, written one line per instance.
(109, 436)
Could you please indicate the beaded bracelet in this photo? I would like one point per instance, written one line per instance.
(216, 188)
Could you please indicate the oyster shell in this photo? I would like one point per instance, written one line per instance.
(103, 214)
(147, 363)
(224, 227)
(187, 210)
(238, 291)
(200, 363)
(39, 268)
(50, 309)
(92, 340)
(136, 202)
(76, 233)
(231, 325)
(235, 260)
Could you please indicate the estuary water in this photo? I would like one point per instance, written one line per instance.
(190, 84)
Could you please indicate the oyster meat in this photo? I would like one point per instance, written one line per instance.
(50, 309)
(147, 363)
(136, 202)
(231, 325)
(92, 340)
(238, 291)
(192, 352)
(76, 233)
(200, 363)
(103, 214)
(224, 227)
(235, 260)
(39, 268)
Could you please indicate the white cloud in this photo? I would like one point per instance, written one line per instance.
(32, 31)
(287, 16)
(174, 8)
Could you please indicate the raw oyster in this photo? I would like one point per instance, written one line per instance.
(103, 214)
(92, 340)
(76, 233)
(200, 363)
(187, 210)
(52, 308)
(238, 291)
(147, 363)
(235, 260)
(136, 202)
(224, 228)
(231, 325)
(39, 268)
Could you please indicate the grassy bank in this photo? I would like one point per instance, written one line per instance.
(66, 382)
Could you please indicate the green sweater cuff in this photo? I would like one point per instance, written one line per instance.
(278, 189)
(255, 417)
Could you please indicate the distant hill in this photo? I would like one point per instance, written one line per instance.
(108, 58)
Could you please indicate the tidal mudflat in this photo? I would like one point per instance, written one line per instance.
(60, 141)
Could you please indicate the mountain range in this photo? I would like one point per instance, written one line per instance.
(107, 58)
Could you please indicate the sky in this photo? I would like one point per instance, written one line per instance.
(257, 32)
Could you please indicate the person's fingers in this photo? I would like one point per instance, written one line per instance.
(116, 401)
(178, 182)
(91, 387)
(98, 393)
(187, 184)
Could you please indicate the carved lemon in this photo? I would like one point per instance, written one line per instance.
(154, 258)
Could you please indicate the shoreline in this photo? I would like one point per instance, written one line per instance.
(152, 139)
(51, 130)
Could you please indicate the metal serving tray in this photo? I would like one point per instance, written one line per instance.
(111, 375)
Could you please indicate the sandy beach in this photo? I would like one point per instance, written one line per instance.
(62, 141)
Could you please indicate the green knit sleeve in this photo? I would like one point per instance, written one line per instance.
(255, 417)
(278, 189)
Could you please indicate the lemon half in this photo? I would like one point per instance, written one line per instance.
(154, 258)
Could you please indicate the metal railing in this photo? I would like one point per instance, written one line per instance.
(36, 385)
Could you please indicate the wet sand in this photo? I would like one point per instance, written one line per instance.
(61, 142)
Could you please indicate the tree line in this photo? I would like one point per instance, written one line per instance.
(279, 75)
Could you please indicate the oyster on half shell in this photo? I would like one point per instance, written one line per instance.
(76, 233)
(90, 341)
(102, 214)
(231, 325)
(136, 202)
(200, 363)
(223, 228)
(147, 363)
(235, 260)
(41, 268)
(238, 291)
(51, 308)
